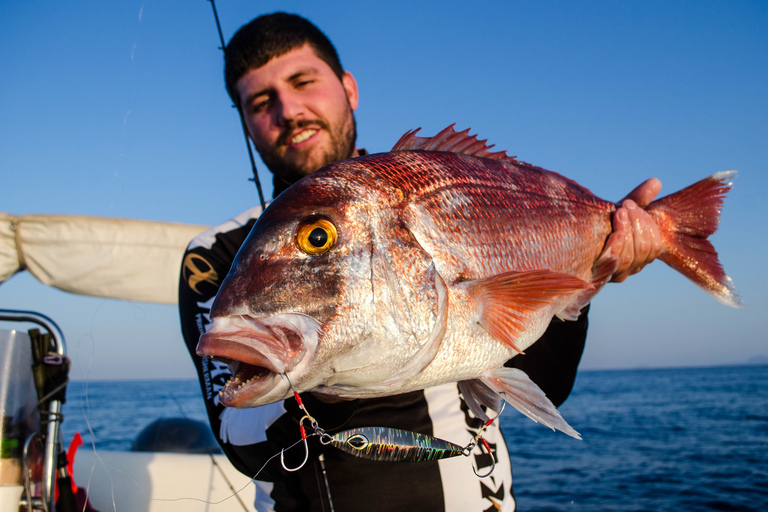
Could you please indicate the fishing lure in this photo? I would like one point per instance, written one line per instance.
(389, 444)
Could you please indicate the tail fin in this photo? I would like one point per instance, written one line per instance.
(685, 219)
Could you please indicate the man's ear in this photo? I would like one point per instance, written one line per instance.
(350, 86)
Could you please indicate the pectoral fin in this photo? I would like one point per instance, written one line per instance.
(519, 391)
(507, 302)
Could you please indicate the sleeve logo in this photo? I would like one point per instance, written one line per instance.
(196, 270)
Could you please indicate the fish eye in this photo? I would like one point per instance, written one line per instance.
(316, 235)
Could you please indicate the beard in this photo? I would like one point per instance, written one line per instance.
(286, 172)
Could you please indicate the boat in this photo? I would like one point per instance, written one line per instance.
(34, 474)
(122, 480)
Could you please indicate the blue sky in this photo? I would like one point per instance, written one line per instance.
(118, 109)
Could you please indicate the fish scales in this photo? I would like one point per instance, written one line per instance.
(473, 233)
(485, 223)
(426, 267)
(554, 240)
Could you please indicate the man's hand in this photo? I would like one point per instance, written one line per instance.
(635, 238)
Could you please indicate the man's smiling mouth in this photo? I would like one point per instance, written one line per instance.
(304, 135)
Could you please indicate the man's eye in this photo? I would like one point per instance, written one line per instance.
(260, 105)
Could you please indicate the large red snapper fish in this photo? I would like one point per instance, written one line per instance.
(434, 263)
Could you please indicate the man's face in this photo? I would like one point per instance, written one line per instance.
(298, 113)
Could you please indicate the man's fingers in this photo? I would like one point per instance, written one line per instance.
(620, 243)
(626, 257)
(645, 193)
(635, 239)
(641, 240)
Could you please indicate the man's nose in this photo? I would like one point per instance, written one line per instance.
(290, 108)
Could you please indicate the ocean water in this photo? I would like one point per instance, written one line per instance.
(653, 440)
(693, 439)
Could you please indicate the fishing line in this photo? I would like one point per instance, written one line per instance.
(85, 406)
(235, 492)
(86, 410)
(325, 439)
(389, 444)
(213, 459)
(253, 478)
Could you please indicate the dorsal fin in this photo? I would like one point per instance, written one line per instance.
(449, 140)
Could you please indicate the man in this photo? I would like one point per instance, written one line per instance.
(297, 104)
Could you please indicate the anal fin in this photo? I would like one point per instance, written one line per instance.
(519, 391)
(476, 395)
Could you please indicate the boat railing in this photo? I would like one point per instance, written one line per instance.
(17, 374)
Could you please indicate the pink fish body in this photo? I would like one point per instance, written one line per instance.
(436, 262)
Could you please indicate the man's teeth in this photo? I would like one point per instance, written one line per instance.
(303, 136)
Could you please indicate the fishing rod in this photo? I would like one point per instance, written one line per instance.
(255, 178)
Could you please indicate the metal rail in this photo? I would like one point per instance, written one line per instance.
(54, 409)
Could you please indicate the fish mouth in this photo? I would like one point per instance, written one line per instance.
(258, 351)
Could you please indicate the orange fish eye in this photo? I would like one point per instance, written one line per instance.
(316, 235)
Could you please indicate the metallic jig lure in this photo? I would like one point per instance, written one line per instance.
(389, 444)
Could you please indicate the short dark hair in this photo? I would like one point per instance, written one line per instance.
(270, 36)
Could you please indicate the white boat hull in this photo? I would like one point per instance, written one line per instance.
(167, 482)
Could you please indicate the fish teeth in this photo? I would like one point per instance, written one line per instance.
(252, 379)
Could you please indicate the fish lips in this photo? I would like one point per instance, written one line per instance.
(258, 351)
